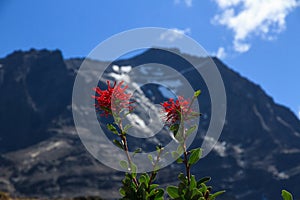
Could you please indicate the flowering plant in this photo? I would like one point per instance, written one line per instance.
(114, 101)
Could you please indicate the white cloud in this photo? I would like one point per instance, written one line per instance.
(174, 34)
(263, 18)
(188, 3)
(241, 47)
(227, 3)
(220, 53)
(299, 112)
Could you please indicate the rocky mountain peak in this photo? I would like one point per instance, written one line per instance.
(257, 154)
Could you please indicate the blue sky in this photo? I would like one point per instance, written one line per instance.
(257, 38)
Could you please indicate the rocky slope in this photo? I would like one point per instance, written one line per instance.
(257, 155)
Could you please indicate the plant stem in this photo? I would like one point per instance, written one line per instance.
(187, 166)
(154, 172)
(186, 163)
(124, 140)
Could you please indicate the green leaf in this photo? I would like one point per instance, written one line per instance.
(154, 174)
(213, 196)
(124, 164)
(122, 192)
(203, 188)
(159, 194)
(182, 177)
(188, 195)
(128, 126)
(196, 194)
(112, 128)
(133, 169)
(142, 190)
(138, 150)
(197, 93)
(116, 118)
(172, 192)
(159, 148)
(180, 150)
(175, 154)
(153, 186)
(156, 167)
(118, 144)
(181, 188)
(193, 183)
(195, 156)
(174, 128)
(193, 115)
(106, 109)
(143, 179)
(191, 130)
(179, 160)
(286, 195)
(150, 157)
(147, 177)
(203, 180)
(126, 114)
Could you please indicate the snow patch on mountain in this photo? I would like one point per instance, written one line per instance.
(261, 119)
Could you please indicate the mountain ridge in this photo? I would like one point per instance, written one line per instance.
(49, 162)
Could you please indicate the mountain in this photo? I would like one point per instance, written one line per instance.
(257, 155)
(35, 87)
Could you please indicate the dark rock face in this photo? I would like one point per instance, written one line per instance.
(36, 87)
(257, 155)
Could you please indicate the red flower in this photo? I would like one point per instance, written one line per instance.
(176, 109)
(112, 100)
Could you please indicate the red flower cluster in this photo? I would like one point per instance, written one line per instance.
(112, 100)
(176, 109)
